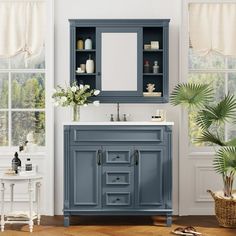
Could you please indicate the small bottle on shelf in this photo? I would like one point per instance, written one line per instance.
(28, 165)
(155, 67)
(146, 67)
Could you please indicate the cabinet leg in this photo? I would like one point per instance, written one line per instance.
(168, 220)
(66, 221)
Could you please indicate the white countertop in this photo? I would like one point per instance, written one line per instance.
(120, 123)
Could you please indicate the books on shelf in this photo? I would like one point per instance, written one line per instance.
(153, 94)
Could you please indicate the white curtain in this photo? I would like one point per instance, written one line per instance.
(212, 26)
(22, 27)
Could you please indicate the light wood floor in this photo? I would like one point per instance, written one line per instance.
(118, 226)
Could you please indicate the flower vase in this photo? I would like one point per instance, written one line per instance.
(75, 113)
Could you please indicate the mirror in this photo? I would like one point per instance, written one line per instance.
(119, 62)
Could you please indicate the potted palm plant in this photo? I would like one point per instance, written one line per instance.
(199, 97)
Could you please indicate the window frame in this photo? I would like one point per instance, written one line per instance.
(185, 148)
(9, 109)
(48, 149)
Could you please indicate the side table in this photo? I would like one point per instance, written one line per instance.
(16, 217)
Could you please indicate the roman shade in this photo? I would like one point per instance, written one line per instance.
(212, 26)
(22, 27)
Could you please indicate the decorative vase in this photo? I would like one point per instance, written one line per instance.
(88, 44)
(90, 65)
(75, 112)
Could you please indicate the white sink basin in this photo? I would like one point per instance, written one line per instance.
(120, 123)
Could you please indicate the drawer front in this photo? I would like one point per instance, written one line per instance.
(117, 178)
(117, 199)
(117, 156)
(119, 133)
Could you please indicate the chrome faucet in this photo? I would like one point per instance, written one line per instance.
(118, 112)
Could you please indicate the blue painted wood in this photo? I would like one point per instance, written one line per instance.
(85, 177)
(162, 82)
(149, 175)
(96, 183)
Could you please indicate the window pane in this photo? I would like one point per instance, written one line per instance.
(231, 62)
(4, 63)
(3, 128)
(25, 122)
(232, 83)
(216, 80)
(3, 90)
(28, 90)
(212, 60)
(37, 62)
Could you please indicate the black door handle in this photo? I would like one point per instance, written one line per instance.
(99, 157)
(136, 157)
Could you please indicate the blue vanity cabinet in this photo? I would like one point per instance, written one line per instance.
(117, 170)
(126, 81)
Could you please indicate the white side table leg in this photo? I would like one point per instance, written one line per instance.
(2, 207)
(12, 194)
(30, 189)
(38, 185)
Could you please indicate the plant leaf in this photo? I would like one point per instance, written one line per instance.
(225, 160)
(218, 114)
(208, 137)
(191, 95)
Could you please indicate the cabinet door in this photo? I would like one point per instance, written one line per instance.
(85, 175)
(149, 176)
(119, 61)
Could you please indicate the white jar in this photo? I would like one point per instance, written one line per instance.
(90, 65)
(88, 44)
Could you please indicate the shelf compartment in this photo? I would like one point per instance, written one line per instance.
(151, 57)
(90, 80)
(153, 34)
(81, 58)
(84, 33)
(157, 80)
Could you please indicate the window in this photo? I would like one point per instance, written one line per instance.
(22, 100)
(212, 68)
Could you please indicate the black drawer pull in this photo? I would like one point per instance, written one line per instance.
(118, 157)
(117, 199)
(118, 178)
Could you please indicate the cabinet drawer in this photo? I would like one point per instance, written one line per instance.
(123, 134)
(117, 199)
(117, 156)
(117, 178)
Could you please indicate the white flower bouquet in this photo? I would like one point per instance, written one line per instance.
(74, 96)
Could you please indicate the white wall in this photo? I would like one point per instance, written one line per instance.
(108, 9)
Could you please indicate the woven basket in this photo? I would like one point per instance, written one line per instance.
(225, 210)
